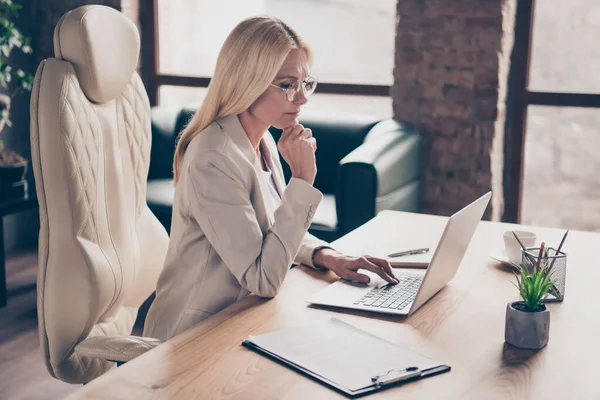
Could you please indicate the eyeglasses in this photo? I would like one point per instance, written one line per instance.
(291, 88)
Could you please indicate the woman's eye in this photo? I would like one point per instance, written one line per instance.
(285, 85)
(309, 84)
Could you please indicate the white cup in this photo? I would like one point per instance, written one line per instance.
(513, 248)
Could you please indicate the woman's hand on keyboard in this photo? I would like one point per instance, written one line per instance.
(346, 267)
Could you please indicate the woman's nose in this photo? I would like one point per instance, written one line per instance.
(300, 98)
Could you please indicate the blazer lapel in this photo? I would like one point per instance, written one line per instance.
(274, 167)
(233, 127)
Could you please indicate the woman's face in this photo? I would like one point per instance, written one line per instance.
(272, 107)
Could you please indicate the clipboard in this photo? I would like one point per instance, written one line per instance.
(345, 358)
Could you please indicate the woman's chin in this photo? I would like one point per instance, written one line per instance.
(286, 120)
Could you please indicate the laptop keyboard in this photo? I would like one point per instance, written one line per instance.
(394, 297)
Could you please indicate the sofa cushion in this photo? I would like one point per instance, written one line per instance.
(160, 194)
(325, 215)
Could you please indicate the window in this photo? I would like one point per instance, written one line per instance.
(561, 184)
(353, 43)
(379, 106)
(554, 115)
(564, 54)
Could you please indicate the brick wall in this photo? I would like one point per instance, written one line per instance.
(452, 59)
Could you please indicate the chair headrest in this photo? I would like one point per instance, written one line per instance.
(102, 45)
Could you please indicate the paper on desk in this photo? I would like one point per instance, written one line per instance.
(340, 352)
(414, 260)
(383, 248)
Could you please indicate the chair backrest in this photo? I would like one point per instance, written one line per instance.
(100, 248)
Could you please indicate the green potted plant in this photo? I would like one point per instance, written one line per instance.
(528, 321)
(14, 81)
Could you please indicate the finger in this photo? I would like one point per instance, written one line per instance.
(384, 264)
(296, 131)
(285, 133)
(313, 143)
(357, 277)
(368, 265)
(306, 133)
(289, 130)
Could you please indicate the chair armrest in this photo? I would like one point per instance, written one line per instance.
(388, 161)
(116, 348)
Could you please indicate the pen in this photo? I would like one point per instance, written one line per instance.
(409, 252)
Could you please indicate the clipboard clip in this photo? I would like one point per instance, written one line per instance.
(395, 375)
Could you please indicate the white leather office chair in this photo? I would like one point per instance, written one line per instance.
(100, 248)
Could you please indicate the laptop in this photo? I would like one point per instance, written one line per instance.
(415, 287)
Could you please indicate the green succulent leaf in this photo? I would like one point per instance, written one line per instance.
(533, 286)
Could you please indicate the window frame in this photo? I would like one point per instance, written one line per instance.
(153, 79)
(519, 98)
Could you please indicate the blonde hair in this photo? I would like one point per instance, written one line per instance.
(248, 62)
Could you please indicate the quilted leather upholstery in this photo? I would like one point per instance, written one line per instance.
(100, 248)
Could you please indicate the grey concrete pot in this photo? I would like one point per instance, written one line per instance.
(526, 330)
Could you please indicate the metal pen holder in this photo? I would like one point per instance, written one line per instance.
(558, 273)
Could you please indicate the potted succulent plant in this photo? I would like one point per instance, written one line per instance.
(528, 321)
(13, 81)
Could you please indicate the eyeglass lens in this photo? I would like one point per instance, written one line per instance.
(309, 87)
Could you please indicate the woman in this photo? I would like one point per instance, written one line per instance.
(236, 227)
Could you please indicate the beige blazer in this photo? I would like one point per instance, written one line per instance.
(223, 244)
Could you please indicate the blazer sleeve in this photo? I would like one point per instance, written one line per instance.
(221, 204)
(309, 245)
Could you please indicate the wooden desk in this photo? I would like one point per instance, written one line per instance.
(463, 326)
